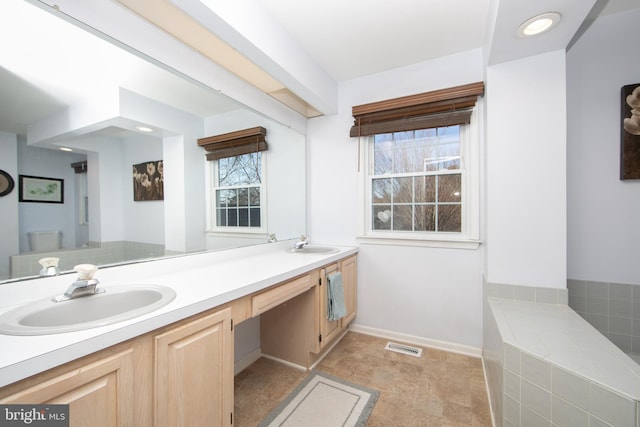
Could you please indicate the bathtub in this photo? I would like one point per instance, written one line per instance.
(26, 264)
(546, 365)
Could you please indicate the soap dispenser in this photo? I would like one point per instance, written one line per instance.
(49, 266)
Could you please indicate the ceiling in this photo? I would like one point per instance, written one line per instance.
(52, 64)
(351, 39)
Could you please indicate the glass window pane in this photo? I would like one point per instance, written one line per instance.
(416, 191)
(243, 217)
(221, 217)
(254, 196)
(240, 170)
(449, 148)
(382, 161)
(426, 133)
(402, 217)
(425, 189)
(449, 188)
(232, 217)
(381, 190)
(243, 197)
(403, 190)
(425, 218)
(227, 198)
(409, 159)
(254, 217)
(223, 172)
(381, 217)
(449, 218)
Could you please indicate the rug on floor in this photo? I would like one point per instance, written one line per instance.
(324, 401)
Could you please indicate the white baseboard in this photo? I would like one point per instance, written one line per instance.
(418, 341)
(285, 362)
(246, 361)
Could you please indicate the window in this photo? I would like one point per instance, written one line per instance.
(238, 191)
(416, 181)
(420, 179)
(236, 187)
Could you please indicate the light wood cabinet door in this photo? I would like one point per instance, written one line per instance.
(99, 394)
(329, 329)
(194, 373)
(349, 270)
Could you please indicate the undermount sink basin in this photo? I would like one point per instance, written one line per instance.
(314, 249)
(116, 304)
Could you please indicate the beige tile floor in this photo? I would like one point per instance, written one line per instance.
(438, 389)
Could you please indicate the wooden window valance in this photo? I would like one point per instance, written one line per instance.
(234, 143)
(444, 107)
(79, 167)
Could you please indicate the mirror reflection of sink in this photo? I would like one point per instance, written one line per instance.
(117, 304)
(314, 249)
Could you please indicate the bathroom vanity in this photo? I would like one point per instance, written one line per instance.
(175, 366)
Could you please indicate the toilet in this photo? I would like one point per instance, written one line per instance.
(43, 241)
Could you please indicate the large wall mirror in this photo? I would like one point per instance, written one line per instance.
(82, 119)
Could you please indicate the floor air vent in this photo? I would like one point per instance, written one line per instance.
(404, 349)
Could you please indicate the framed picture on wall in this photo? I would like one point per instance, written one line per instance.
(6, 183)
(630, 132)
(148, 181)
(40, 190)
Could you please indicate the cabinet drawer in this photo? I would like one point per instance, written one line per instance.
(276, 296)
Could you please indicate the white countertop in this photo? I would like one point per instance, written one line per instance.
(201, 281)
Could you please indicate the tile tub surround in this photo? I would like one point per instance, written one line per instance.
(545, 365)
(26, 264)
(612, 308)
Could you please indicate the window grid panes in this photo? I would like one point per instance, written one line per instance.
(417, 181)
(238, 190)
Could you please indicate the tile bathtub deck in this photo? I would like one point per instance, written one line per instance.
(557, 334)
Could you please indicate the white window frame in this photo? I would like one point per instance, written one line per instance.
(212, 186)
(470, 161)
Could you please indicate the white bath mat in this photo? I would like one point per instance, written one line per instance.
(324, 401)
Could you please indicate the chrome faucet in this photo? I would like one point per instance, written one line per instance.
(84, 285)
(301, 243)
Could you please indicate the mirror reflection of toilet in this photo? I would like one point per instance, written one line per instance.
(43, 241)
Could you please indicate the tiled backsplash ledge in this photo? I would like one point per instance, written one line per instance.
(527, 293)
(612, 308)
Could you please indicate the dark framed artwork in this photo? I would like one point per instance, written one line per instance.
(148, 181)
(39, 189)
(630, 132)
(6, 183)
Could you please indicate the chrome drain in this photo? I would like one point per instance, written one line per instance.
(404, 349)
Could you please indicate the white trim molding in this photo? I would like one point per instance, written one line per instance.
(418, 341)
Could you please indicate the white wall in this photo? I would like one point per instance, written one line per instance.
(47, 163)
(603, 211)
(430, 294)
(526, 172)
(142, 221)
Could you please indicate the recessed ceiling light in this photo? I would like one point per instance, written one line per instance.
(144, 129)
(65, 149)
(539, 24)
